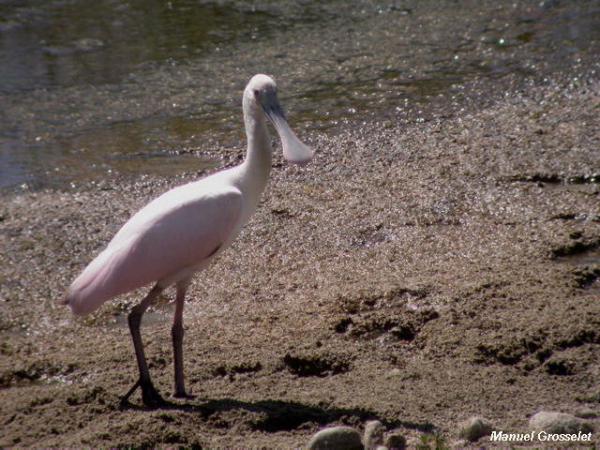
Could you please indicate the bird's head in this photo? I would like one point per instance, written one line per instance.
(261, 94)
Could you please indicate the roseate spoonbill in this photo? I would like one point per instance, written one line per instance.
(183, 230)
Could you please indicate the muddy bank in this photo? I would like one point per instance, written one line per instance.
(417, 274)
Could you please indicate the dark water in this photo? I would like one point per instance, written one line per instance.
(89, 89)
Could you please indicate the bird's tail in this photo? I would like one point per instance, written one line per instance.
(91, 288)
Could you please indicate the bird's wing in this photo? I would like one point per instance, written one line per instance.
(177, 231)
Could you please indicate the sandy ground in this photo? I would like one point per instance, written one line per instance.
(417, 274)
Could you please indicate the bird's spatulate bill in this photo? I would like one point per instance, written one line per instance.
(294, 150)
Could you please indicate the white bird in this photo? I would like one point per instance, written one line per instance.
(183, 230)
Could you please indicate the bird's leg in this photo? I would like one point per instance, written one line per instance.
(177, 334)
(150, 395)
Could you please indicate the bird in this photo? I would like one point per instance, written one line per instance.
(182, 231)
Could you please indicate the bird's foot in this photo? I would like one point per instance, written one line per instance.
(150, 396)
(125, 399)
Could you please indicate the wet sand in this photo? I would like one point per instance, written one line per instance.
(418, 274)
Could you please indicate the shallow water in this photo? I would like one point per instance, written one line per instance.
(96, 89)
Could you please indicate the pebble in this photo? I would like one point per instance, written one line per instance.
(373, 436)
(336, 438)
(587, 413)
(474, 428)
(88, 44)
(395, 441)
(557, 422)
(394, 373)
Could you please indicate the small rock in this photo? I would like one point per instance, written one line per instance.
(556, 422)
(336, 438)
(373, 436)
(474, 428)
(395, 441)
(587, 413)
(88, 44)
(394, 373)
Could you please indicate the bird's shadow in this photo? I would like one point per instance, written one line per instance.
(278, 415)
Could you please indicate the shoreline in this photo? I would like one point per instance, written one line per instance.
(476, 95)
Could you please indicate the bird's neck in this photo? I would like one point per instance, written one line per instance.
(257, 165)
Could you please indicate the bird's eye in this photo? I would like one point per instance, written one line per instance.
(256, 93)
